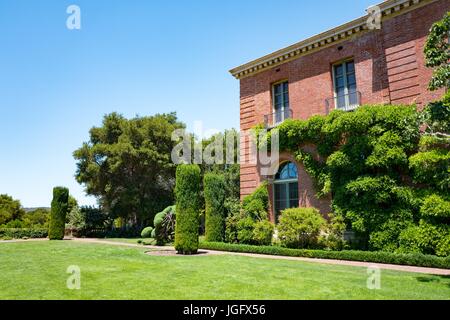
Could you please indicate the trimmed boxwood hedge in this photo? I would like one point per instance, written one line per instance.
(60, 204)
(413, 259)
(147, 232)
(214, 193)
(104, 233)
(187, 191)
(20, 233)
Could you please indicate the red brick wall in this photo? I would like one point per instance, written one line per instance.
(389, 69)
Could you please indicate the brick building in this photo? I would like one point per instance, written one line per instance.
(342, 68)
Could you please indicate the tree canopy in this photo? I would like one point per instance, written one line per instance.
(230, 152)
(10, 209)
(127, 165)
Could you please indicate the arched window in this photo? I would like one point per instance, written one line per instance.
(285, 187)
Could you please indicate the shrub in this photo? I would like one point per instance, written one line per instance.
(300, 227)
(159, 217)
(94, 217)
(231, 228)
(255, 209)
(334, 234)
(187, 191)
(435, 206)
(147, 232)
(430, 142)
(256, 204)
(15, 224)
(387, 239)
(443, 246)
(431, 167)
(436, 117)
(123, 232)
(76, 219)
(58, 213)
(372, 194)
(214, 193)
(423, 238)
(242, 218)
(263, 232)
(387, 152)
(164, 223)
(240, 224)
(232, 206)
(245, 227)
(13, 233)
(88, 221)
(415, 259)
(411, 240)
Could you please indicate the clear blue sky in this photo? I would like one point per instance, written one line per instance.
(135, 57)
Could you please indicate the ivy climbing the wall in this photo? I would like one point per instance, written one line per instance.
(388, 178)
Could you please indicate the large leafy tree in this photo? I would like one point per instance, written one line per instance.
(127, 165)
(227, 143)
(10, 209)
(229, 151)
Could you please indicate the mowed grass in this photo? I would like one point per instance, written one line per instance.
(127, 240)
(37, 270)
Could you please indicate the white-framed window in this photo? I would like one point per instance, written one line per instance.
(346, 95)
(280, 94)
(285, 188)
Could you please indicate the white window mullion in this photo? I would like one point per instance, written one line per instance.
(346, 92)
(333, 69)
(274, 110)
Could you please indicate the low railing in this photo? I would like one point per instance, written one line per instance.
(345, 102)
(274, 119)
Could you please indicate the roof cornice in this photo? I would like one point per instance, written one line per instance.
(357, 27)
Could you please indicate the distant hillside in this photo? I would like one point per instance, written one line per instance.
(32, 209)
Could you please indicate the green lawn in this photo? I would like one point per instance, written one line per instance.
(127, 240)
(144, 241)
(37, 270)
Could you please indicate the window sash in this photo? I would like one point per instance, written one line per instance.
(280, 94)
(344, 83)
(285, 195)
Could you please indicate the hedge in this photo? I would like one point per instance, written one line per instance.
(147, 232)
(103, 233)
(20, 233)
(187, 191)
(58, 213)
(214, 193)
(412, 259)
